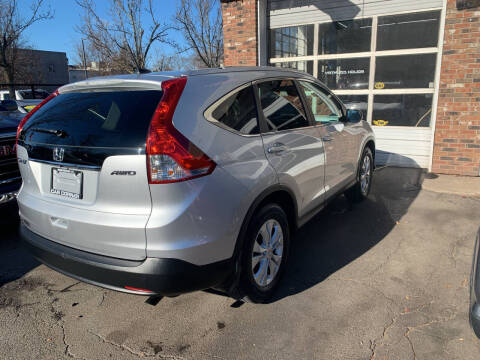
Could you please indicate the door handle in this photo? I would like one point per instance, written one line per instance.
(327, 138)
(276, 148)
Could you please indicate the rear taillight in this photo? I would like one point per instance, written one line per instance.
(170, 156)
(33, 111)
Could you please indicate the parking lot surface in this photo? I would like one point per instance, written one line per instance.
(384, 279)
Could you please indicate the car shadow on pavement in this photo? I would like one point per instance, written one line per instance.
(338, 235)
(342, 232)
(15, 261)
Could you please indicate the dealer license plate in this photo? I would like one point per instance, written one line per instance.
(67, 183)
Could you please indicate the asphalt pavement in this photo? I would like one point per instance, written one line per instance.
(384, 279)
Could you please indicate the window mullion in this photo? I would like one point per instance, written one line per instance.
(371, 78)
(315, 50)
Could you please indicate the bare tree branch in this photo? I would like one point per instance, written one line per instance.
(12, 27)
(121, 39)
(200, 22)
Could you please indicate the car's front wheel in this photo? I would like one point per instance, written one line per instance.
(265, 253)
(361, 189)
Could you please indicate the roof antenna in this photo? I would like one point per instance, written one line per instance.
(144, 71)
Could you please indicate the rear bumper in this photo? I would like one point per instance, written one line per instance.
(158, 276)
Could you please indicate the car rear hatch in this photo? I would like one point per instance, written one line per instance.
(83, 163)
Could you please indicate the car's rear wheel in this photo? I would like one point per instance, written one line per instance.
(264, 254)
(361, 189)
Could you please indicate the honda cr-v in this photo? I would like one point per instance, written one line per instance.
(166, 183)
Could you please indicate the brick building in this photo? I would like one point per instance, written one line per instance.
(411, 66)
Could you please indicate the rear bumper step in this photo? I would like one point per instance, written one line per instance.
(166, 277)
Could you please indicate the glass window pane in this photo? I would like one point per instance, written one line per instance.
(323, 107)
(345, 73)
(356, 102)
(406, 71)
(291, 41)
(408, 31)
(306, 66)
(239, 112)
(100, 119)
(281, 105)
(402, 110)
(341, 37)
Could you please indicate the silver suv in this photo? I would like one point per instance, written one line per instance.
(166, 183)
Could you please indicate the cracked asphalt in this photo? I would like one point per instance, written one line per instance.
(384, 279)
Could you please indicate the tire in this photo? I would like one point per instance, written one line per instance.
(259, 275)
(360, 190)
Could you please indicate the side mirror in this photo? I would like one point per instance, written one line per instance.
(354, 116)
(8, 105)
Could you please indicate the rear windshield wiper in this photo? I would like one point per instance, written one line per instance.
(59, 133)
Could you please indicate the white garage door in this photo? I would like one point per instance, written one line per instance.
(378, 56)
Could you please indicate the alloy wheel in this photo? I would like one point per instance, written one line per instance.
(267, 253)
(365, 175)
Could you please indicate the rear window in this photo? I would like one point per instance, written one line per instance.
(94, 119)
(239, 112)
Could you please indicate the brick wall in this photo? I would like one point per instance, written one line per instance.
(457, 133)
(240, 32)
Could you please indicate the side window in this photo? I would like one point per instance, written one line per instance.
(323, 107)
(239, 112)
(281, 105)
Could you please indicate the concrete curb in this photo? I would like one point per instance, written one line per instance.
(451, 184)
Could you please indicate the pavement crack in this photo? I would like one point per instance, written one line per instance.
(69, 287)
(379, 342)
(389, 256)
(454, 253)
(103, 298)
(132, 351)
(410, 342)
(67, 345)
(64, 290)
(371, 287)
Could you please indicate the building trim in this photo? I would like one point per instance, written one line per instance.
(438, 73)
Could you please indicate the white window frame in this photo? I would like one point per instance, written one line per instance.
(373, 54)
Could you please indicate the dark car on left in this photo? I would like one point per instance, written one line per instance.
(10, 179)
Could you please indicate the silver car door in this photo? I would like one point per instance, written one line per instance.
(341, 144)
(291, 143)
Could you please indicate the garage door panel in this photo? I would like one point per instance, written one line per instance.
(411, 134)
(383, 158)
(407, 146)
(290, 12)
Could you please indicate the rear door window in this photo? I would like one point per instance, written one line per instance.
(238, 112)
(94, 119)
(322, 105)
(281, 105)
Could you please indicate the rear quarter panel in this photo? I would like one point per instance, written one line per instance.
(206, 214)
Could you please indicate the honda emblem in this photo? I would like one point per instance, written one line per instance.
(58, 154)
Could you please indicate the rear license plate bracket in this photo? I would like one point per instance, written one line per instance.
(67, 183)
